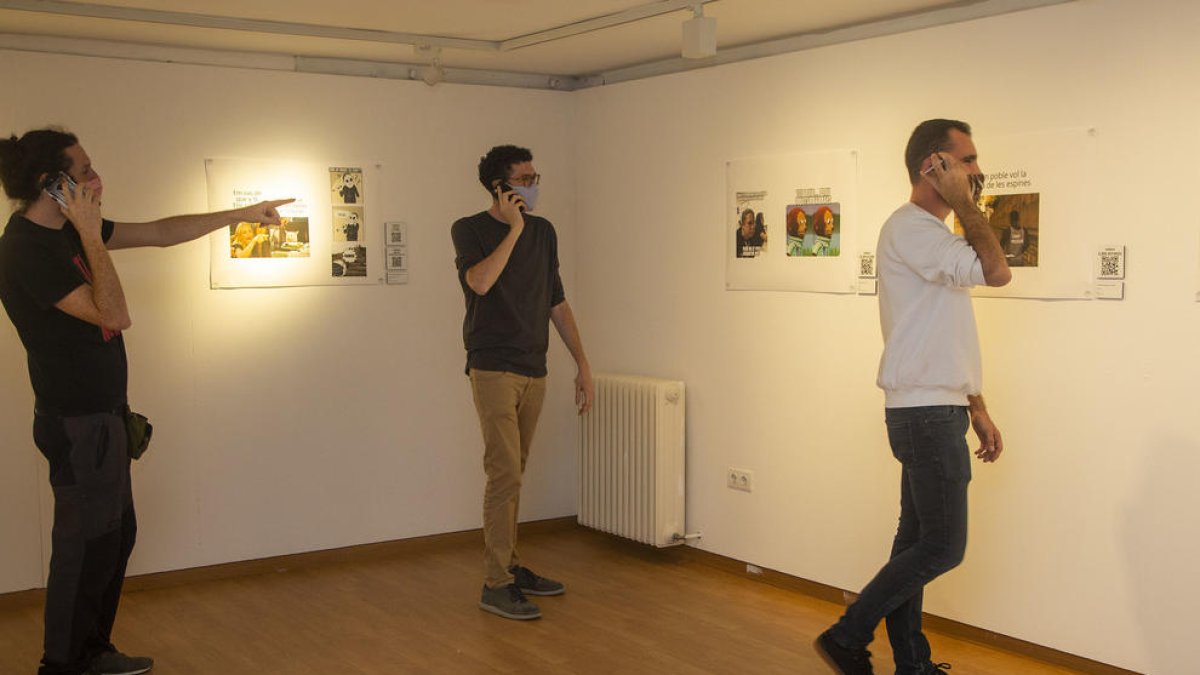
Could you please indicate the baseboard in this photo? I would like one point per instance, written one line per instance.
(938, 624)
(276, 564)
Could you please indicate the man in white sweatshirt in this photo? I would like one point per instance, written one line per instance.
(930, 374)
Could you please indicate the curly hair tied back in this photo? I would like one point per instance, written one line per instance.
(25, 160)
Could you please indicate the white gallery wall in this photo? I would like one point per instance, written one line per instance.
(309, 418)
(288, 419)
(1085, 535)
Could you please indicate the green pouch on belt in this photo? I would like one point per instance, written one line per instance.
(137, 432)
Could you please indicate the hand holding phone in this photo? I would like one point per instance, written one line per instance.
(507, 191)
(936, 157)
(950, 178)
(79, 203)
(59, 186)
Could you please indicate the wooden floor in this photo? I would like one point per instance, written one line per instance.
(628, 609)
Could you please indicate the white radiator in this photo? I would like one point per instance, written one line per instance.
(631, 459)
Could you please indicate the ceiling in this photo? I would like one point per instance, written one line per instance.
(466, 40)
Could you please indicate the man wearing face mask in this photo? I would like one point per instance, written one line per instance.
(62, 293)
(930, 374)
(507, 261)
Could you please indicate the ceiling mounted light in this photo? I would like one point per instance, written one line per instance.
(699, 35)
(432, 73)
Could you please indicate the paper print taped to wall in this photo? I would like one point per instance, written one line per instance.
(750, 233)
(288, 239)
(348, 224)
(317, 229)
(814, 230)
(350, 261)
(805, 203)
(1014, 219)
(346, 184)
(1038, 197)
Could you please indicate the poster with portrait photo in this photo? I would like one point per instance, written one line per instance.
(814, 230)
(750, 231)
(819, 184)
(346, 185)
(350, 261)
(297, 251)
(348, 224)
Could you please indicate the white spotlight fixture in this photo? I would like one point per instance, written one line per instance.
(699, 35)
(433, 73)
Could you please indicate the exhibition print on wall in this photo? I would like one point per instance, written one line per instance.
(792, 221)
(327, 223)
(1015, 222)
(814, 230)
(750, 232)
(288, 239)
(346, 183)
(1037, 202)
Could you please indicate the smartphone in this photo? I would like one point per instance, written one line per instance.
(505, 187)
(930, 169)
(53, 187)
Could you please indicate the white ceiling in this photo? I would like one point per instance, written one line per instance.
(389, 28)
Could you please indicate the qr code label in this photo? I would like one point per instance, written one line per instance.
(866, 265)
(1110, 262)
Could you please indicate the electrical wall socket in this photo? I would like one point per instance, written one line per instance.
(740, 479)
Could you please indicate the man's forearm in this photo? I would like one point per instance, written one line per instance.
(564, 322)
(981, 238)
(483, 274)
(178, 229)
(107, 293)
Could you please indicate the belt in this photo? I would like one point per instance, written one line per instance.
(40, 408)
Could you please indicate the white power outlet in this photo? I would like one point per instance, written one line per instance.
(740, 479)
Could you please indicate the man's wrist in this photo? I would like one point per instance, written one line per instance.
(965, 207)
(91, 237)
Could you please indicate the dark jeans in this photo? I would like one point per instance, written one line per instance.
(94, 531)
(931, 446)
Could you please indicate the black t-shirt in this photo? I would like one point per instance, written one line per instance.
(75, 367)
(508, 329)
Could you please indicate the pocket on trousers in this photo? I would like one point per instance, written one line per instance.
(901, 440)
(97, 453)
(943, 434)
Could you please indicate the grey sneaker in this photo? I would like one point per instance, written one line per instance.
(532, 584)
(116, 663)
(508, 602)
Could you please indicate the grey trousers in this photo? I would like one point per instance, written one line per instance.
(93, 536)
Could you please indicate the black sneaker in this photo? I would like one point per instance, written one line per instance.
(508, 602)
(932, 668)
(843, 660)
(532, 584)
(116, 663)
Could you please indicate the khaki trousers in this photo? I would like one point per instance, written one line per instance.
(508, 405)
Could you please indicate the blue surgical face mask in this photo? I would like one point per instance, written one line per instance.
(529, 194)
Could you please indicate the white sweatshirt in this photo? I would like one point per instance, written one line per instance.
(930, 345)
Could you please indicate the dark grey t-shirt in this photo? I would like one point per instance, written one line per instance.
(508, 329)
